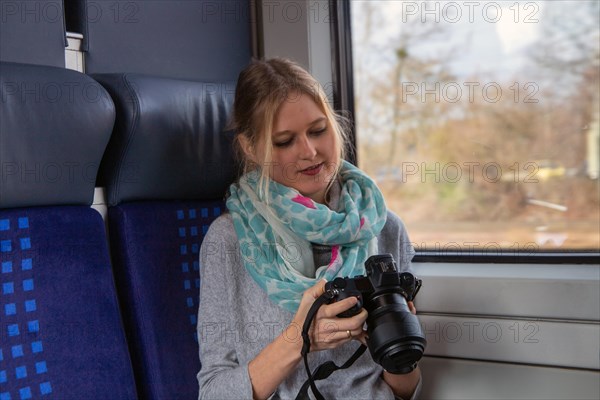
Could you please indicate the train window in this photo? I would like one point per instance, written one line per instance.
(480, 121)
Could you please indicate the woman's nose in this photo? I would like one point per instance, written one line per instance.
(308, 149)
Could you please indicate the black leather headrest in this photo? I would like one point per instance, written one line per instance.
(200, 40)
(169, 140)
(33, 32)
(54, 126)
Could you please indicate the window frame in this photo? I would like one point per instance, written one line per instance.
(343, 95)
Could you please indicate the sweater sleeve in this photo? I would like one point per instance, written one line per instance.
(221, 376)
(394, 239)
(417, 393)
(395, 235)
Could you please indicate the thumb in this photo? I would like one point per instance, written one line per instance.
(319, 288)
(362, 338)
(412, 308)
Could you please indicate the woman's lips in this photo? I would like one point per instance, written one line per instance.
(314, 170)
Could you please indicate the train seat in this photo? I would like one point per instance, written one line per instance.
(165, 173)
(61, 335)
(33, 32)
(182, 40)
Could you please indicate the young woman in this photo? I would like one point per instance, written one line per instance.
(298, 216)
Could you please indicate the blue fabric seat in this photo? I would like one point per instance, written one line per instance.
(165, 170)
(61, 333)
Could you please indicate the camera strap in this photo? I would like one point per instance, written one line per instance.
(324, 370)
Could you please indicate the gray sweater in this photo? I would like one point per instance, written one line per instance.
(236, 320)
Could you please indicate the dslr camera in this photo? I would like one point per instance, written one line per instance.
(395, 339)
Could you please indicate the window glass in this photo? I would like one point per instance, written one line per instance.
(480, 120)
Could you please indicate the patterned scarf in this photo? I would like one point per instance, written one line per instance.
(275, 236)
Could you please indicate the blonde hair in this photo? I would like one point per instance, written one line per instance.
(261, 89)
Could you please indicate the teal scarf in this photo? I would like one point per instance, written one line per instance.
(275, 233)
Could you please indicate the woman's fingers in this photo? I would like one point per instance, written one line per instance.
(308, 298)
(361, 336)
(318, 289)
(338, 307)
(412, 308)
(339, 329)
(328, 330)
(338, 337)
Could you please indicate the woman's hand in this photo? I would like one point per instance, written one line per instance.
(328, 331)
(411, 307)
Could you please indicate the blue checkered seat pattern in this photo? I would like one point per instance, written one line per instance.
(165, 170)
(61, 333)
(62, 336)
(156, 248)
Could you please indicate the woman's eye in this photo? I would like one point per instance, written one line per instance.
(319, 131)
(283, 144)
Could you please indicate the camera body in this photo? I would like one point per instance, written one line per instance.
(395, 338)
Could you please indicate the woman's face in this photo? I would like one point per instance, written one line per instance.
(305, 155)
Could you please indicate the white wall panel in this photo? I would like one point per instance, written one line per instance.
(452, 379)
(575, 345)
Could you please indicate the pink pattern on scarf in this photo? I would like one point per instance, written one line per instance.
(305, 201)
(362, 221)
(335, 250)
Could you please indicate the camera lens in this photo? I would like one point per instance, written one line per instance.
(396, 340)
(401, 359)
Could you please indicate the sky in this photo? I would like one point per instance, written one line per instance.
(491, 37)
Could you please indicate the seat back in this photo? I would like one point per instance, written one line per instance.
(60, 326)
(166, 170)
(177, 39)
(32, 32)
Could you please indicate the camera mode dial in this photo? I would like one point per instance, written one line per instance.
(344, 288)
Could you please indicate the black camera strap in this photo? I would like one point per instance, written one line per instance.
(324, 370)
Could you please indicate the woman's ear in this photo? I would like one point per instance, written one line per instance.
(247, 148)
